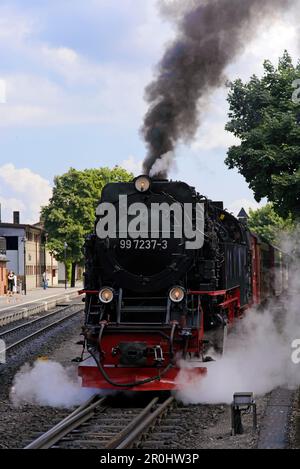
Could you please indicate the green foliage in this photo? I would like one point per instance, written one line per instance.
(265, 118)
(70, 215)
(269, 225)
(69, 272)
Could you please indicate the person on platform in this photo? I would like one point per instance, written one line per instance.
(15, 287)
(45, 281)
(11, 282)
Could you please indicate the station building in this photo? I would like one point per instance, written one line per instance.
(27, 255)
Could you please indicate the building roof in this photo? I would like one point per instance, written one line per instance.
(21, 226)
(243, 214)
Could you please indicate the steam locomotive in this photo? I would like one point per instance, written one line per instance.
(155, 300)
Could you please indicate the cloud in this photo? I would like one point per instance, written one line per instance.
(63, 86)
(8, 206)
(15, 26)
(70, 65)
(149, 37)
(235, 206)
(58, 85)
(23, 190)
(269, 43)
(63, 54)
(55, 77)
(133, 165)
(37, 101)
(212, 136)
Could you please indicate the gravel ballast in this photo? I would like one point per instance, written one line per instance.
(195, 427)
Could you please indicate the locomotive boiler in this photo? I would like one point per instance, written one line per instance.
(168, 272)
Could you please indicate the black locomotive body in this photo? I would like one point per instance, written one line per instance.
(154, 299)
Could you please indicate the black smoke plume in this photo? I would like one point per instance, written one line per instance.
(210, 35)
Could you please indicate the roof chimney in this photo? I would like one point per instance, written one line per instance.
(16, 218)
(2, 246)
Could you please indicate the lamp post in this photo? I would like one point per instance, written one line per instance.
(24, 256)
(45, 254)
(243, 403)
(65, 250)
(45, 250)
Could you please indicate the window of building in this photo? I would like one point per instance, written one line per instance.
(29, 270)
(12, 243)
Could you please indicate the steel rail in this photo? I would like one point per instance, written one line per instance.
(78, 417)
(137, 431)
(34, 321)
(117, 440)
(124, 439)
(40, 331)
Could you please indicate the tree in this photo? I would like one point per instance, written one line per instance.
(266, 119)
(269, 225)
(70, 215)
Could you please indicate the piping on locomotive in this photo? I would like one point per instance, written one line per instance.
(151, 302)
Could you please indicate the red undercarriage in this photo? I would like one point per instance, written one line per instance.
(91, 378)
(165, 380)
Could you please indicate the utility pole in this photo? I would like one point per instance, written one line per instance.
(45, 259)
(24, 255)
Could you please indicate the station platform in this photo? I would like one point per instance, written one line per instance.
(36, 301)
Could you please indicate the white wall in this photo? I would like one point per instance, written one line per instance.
(13, 263)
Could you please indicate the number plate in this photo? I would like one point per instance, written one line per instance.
(144, 244)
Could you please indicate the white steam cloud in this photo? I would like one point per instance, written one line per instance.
(47, 383)
(259, 353)
(163, 164)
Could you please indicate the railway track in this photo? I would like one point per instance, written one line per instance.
(99, 424)
(17, 335)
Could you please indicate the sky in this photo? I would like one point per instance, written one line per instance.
(72, 80)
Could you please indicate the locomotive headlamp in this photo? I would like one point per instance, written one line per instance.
(142, 184)
(106, 295)
(177, 294)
